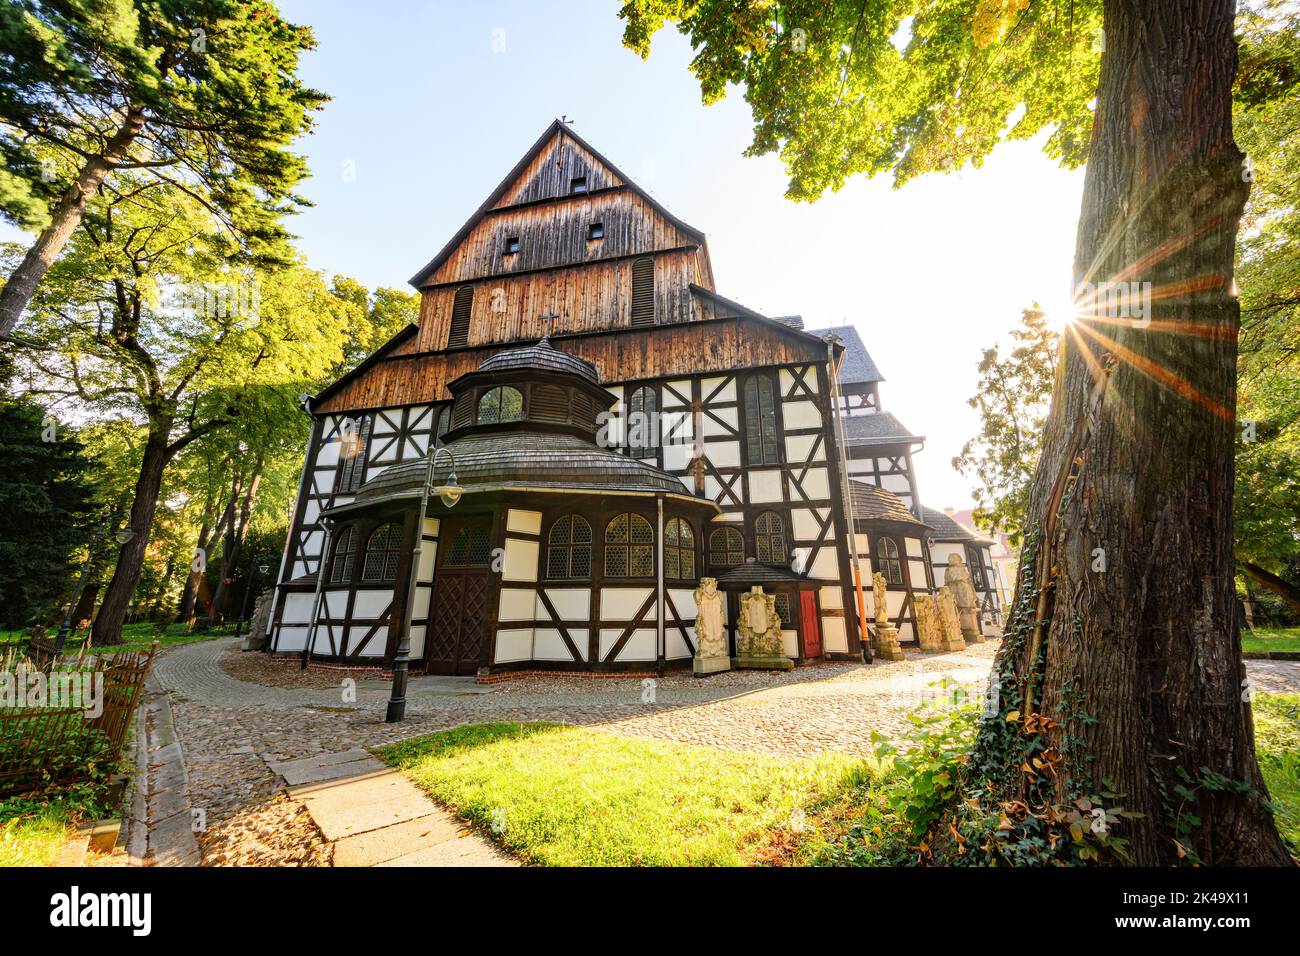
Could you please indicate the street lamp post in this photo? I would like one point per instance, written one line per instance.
(450, 494)
(123, 536)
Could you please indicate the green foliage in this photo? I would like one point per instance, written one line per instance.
(1012, 401)
(1266, 123)
(839, 87)
(46, 504)
(214, 82)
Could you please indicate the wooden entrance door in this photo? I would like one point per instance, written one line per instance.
(457, 638)
(812, 635)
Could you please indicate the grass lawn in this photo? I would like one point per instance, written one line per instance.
(34, 830)
(1264, 639)
(566, 796)
(135, 637)
(1277, 743)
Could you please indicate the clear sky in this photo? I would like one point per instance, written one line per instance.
(435, 100)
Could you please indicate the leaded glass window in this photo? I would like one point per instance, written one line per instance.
(382, 552)
(783, 609)
(887, 560)
(568, 548)
(760, 420)
(726, 548)
(679, 550)
(345, 552)
(468, 547)
(500, 404)
(629, 547)
(769, 538)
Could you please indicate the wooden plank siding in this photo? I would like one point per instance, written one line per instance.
(721, 345)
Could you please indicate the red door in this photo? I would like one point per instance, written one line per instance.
(812, 635)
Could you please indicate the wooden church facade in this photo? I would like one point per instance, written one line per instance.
(620, 430)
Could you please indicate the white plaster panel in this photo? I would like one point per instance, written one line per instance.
(725, 421)
(726, 394)
(524, 522)
(572, 604)
(799, 448)
(804, 524)
(684, 601)
(825, 565)
(683, 387)
(291, 639)
(816, 485)
(513, 645)
(723, 454)
(521, 560)
(375, 647)
(765, 486)
(676, 647)
(621, 604)
(800, 414)
(548, 645)
(298, 607)
(790, 643)
(831, 597)
(417, 641)
(913, 547)
(641, 646)
(835, 638)
(516, 604)
(371, 604)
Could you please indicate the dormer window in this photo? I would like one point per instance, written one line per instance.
(578, 184)
(596, 230)
(512, 245)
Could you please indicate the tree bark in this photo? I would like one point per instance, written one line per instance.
(1275, 584)
(67, 215)
(234, 546)
(126, 575)
(1124, 630)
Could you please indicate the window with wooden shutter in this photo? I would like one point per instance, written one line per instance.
(761, 447)
(549, 403)
(462, 413)
(460, 311)
(643, 291)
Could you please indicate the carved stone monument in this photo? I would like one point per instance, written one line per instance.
(949, 623)
(710, 631)
(958, 580)
(255, 639)
(928, 631)
(758, 633)
(886, 634)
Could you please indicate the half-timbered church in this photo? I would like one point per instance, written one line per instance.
(606, 429)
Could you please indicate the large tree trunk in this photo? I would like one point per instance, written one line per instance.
(234, 546)
(117, 598)
(1275, 584)
(67, 214)
(1124, 631)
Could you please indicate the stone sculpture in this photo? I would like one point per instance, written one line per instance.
(710, 630)
(958, 580)
(886, 634)
(758, 633)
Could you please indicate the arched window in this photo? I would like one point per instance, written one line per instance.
(679, 550)
(769, 538)
(726, 548)
(345, 552)
(760, 420)
(642, 421)
(629, 547)
(354, 440)
(441, 422)
(382, 550)
(500, 404)
(461, 308)
(568, 548)
(887, 560)
(469, 547)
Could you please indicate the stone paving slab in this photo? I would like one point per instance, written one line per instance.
(379, 846)
(323, 767)
(467, 851)
(348, 806)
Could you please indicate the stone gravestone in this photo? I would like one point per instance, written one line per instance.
(958, 580)
(886, 634)
(758, 633)
(710, 631)
(255, 639)
(927, 623)
(949, 622)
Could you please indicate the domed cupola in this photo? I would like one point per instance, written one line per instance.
(535, 388)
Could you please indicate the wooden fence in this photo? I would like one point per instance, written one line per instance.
(51, 746)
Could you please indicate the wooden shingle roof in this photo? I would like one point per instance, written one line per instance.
(873, 503)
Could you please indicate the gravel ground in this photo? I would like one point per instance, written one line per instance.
(232, 713)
